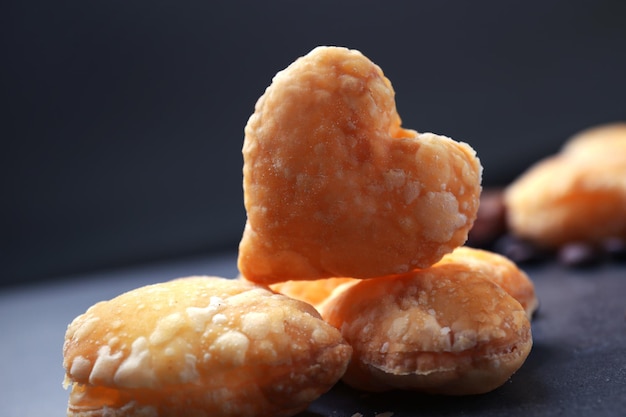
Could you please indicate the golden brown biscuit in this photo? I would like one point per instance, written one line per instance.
(498, 269)
(606, 139)
(578, 194)
(334, 186)
(200, 346)
(493, 266)
(445, 330)
(313, 292)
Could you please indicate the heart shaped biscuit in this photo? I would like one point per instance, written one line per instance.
(334, 186)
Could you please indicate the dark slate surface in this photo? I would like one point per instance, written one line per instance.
(577, 366)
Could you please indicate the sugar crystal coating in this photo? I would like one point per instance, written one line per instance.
(204, 340)
(445, 329)
(335, 187)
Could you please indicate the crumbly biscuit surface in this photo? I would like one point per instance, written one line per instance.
(200, 346)
(334, 186)
(445, 330)
(499, 270)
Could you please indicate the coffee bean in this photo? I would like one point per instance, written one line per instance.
(579, 254)
(519, 250)
(490, 221)
(615, 248)
(490, 232)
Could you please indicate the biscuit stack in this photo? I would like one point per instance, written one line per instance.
(359, 223)
(365, 220)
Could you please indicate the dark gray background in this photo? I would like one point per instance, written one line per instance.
(123, 120)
